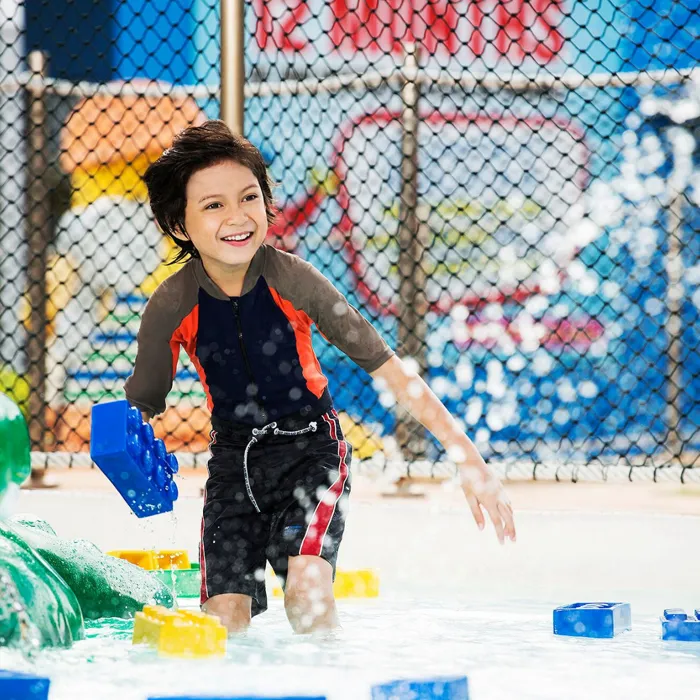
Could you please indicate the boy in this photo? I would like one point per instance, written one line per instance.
(279, 470)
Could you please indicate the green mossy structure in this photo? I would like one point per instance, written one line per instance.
(104, 586)
(15, 464)
(47, 601)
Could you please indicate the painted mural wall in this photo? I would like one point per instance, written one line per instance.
(545, 215)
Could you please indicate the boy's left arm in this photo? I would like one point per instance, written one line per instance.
(344, 326)
(481, 486)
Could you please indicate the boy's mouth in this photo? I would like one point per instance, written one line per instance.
(238, 239)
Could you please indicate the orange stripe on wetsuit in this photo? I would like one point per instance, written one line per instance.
(316, 381)
(185, 335)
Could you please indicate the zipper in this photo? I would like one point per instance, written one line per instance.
(246, 361)
(240, 341)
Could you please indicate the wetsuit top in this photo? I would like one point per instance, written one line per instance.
(253, 353)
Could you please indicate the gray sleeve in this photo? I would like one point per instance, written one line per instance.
(158, 348)
(342, 324)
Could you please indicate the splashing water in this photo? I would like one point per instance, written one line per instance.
(11, 604)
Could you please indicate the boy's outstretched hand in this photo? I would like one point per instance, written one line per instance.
(484, 492)
(481, 486)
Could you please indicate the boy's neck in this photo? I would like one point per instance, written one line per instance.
(229, 279)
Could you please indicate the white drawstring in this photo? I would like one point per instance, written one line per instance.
(260, 432)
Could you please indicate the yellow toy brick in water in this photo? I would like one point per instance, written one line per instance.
(172, 559)
(362, 583)
(183, 633)
(154, 559)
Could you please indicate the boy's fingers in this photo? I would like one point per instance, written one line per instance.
(506, 511)
(475, 508)
(497, 523)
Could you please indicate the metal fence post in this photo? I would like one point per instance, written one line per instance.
(233, 64)
(674, 301)
(38, 234)
(412, 301)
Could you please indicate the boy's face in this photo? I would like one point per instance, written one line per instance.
(224, 202)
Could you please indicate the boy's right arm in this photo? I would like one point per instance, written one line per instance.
(156, 358)
(169, 322)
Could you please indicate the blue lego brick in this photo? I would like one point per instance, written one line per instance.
(441, 688)
(20, 686)
(677, 626)
(132, 458)
(599, 620)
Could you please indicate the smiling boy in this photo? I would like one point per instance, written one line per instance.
(279, 472)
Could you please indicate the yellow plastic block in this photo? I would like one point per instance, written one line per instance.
(149, 623)
(183, 633)
(172, 559)
(151, 559)
(146, 559)
(362, 583)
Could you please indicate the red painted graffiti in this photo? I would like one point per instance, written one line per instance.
(515, 29)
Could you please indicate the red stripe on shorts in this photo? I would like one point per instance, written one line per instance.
(325, 510)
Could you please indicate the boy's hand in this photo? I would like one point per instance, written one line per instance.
(485, 491)
(481, 487)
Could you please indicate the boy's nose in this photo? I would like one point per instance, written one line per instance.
(236, 218)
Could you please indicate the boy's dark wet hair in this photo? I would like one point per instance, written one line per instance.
(193, 149)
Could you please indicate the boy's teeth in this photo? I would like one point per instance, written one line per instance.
(242, 237)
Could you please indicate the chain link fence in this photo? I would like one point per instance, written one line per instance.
(508, 190)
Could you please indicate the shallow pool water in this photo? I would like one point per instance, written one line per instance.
(452, 602)
(506, 650)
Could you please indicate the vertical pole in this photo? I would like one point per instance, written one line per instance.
(233, 64)
(38, 239)
(412, 301)
(674, 300)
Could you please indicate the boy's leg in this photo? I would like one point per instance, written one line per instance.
(308, 596)
(233, 609)
(232, 561)
(233, 538)
(306, 535)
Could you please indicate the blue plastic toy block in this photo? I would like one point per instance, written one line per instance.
(20, 686)
(241, 697)
(132, 458)
(677, 626)
(446, 688)
(599, 620)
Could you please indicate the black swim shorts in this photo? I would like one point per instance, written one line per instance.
(272, 493)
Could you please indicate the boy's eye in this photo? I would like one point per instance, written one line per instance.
(252, 195)
(212, 205)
